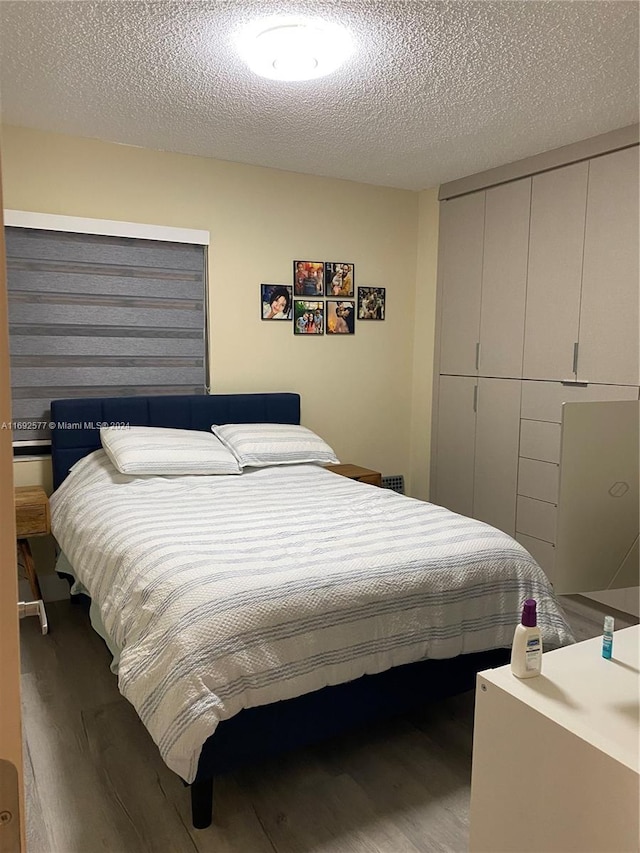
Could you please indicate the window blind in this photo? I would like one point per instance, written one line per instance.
(94, 316)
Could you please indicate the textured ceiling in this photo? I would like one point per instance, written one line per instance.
(434, 91)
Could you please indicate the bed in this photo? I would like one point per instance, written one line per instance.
(250, 614)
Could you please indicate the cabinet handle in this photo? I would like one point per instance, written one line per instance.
(478, 355)
(575, 357)
(475, 398)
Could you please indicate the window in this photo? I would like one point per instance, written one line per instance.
(100, 315)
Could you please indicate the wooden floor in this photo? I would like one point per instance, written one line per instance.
(95, 781)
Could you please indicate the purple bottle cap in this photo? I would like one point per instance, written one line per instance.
(529, 619)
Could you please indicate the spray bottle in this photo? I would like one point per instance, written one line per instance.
(607, 637)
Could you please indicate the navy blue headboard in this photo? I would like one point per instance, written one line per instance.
(77, 422)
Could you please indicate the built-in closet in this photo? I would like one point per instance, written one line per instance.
(537, 305)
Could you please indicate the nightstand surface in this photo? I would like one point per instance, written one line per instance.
(357, 472)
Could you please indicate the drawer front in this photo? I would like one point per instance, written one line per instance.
(542, 401)
(540, 440)
(544, 553)
(31, 521)
(537, 519)
(372, 479)
(538, 480)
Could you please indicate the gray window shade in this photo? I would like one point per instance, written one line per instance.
(94, 316)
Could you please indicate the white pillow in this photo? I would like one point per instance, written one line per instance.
(157, 450)
(260, 445)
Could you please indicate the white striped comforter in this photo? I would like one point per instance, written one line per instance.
(227, 592)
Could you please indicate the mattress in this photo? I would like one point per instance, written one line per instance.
(229, 592)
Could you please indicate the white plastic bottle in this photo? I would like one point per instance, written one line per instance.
(526, 652)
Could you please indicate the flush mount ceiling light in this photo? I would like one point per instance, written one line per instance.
(294, 48)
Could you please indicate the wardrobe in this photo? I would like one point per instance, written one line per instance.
(538, 304)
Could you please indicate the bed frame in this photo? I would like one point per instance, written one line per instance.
(257, 733)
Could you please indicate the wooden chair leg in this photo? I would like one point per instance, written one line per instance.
(24, 549)
(202, 803)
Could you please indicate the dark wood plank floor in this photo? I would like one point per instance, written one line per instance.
(95, 781)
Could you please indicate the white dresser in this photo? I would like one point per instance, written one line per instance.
(556, 757)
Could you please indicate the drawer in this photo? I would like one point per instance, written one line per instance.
(544, 553)
(542, 401)
(32, 521)
(538, 480)
(356, 472)
(540, 440)
(536, 518)
(373, 479)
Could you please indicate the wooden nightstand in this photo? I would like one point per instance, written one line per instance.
(32, 519)
(356, 472)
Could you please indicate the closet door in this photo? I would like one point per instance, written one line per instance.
(558, 202)
(455, 443)
(461, 235)
(504, 279)
(496, 456)
(609, 328)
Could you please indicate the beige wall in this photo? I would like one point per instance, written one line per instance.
(359, 392)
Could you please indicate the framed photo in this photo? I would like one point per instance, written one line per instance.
(341, 315)
(339, 278)
(276, 301)
(308, 278)
(371, 303)
(308, 317)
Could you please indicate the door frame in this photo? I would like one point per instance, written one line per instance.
(10, 706)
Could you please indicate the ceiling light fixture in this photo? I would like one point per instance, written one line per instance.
(294, 48)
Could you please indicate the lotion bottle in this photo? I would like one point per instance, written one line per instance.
(526, 652)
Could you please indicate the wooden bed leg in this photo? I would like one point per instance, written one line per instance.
(202, 803)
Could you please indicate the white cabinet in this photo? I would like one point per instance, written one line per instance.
(460, 272)
(538, 299)
(477, 448)
(539, 458)
(504, 279)
(483, 272)
(455, 437)
(582, 284)
(555, 758)
(558, 203)
(609, 321)
(496, 453)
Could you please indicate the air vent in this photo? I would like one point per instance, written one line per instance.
(395, 482)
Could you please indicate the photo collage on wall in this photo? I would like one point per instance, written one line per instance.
(322, 299)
